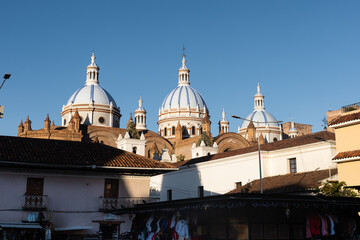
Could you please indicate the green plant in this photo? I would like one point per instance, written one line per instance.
(336, 189)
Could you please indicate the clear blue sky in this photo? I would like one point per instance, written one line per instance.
(305, 54)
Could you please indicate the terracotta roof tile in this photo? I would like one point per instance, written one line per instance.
(294, 182)
(348, 154)
(56, 152)
(345, 118)
(287, 143)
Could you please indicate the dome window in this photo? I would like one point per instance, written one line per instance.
(101, 120)
(173, 130)
(64, 122)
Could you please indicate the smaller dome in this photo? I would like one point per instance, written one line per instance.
(264, 118)
(91, 93)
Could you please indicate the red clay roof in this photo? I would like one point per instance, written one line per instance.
(287, 143)
(294, 182)
(56, 152)
(345, 118)
(348, 154)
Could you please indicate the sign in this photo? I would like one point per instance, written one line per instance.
(109, 216)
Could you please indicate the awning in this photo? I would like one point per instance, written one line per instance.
(21, 225)
(73, 228)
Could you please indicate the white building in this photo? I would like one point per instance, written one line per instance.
(221, 173)
(71, 187)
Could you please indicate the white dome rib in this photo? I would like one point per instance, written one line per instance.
(183, 96)
(89, 93)
(261, 116)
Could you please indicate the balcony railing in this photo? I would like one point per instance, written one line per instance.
(118, 203)
(35, 202)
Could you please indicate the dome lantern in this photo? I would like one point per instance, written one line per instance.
(92, 72)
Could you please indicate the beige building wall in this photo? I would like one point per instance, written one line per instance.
(349, 172)
(347, 138)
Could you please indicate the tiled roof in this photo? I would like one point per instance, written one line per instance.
(348, 154)
(345, 118)
(69, 153)
(294, 182)
(287, 143)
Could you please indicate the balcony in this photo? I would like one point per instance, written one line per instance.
(119, 203)
(35, 202)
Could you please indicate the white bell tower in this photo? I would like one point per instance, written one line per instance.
(140, 116)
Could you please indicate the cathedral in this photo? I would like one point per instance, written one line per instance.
(92, 115)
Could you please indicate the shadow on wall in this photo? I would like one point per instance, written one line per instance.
(185, 183)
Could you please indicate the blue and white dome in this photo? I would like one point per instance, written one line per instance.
(183, 96)
(91, 93)
(93, 103)
(264, 122)
(259, 115)
(262, 117)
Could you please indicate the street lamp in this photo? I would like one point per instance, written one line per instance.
(258, 141)
(6, 77)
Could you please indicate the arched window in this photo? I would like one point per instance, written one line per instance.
(173, 130)
(165, 131)
(275, 139)
(184, 131)
(134, 150)
(192, 130)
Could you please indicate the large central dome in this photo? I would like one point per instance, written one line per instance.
(183, 106)
(183, 96)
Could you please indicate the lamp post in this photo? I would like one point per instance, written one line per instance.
(6, 76)
(258, 142)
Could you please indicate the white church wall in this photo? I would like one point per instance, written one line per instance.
(220, 176)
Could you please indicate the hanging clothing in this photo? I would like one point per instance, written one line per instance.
(182, 228)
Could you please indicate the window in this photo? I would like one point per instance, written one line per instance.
(64, 121)
(193, 130)
(134, 150)
(292, 163)
(173, 130)
(101, 120)
(35, 186)
(184, 131)
(165, 131)
(275, 139)
(111, 188)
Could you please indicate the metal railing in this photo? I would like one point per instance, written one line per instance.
(351, 107)
(35, 202)
(123, 202)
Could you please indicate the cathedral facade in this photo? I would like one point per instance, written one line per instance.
(92, 115)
